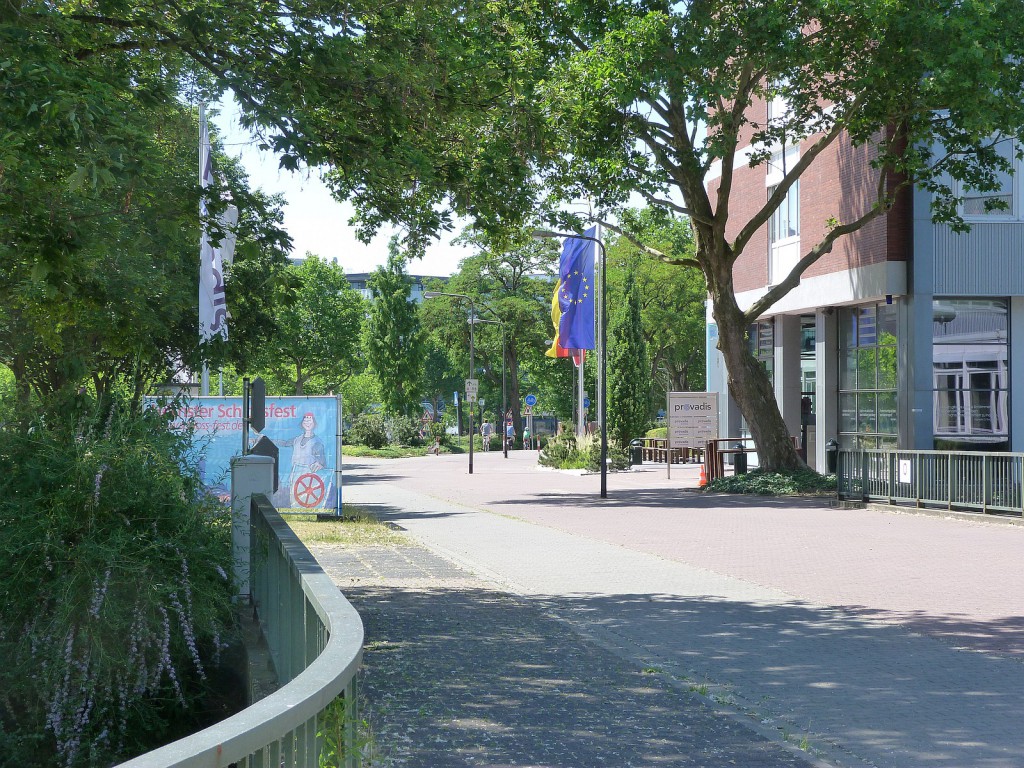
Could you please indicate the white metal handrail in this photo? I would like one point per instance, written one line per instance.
(316, 639)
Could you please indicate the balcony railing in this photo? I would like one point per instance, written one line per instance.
(955, 480)
(315, 638)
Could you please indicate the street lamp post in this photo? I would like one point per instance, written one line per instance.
(472, 322)
(602, 411)
(504, 397)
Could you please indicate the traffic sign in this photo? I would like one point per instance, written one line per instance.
(586, 402)
(472, 388)
(531, 400)
(527, 411)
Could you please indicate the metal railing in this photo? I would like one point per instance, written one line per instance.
(955, 480)
(315, 638)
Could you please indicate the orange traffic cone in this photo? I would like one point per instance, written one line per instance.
(703, 477)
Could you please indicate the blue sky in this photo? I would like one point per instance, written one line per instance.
(317, 222)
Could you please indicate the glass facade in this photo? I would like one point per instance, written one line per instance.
(970, 374)
(761, 338)
(868, 345)
(808, 387)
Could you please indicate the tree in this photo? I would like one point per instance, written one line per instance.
(392, 337)
(318, 332)
(554, 101)
(671, 299)
(358, 393)
(507, 284)
(629, 369)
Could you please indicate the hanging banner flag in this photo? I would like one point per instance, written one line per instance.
(557, 350)
(213, 308)
(576, 295)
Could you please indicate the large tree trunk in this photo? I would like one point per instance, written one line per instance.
(752, 389)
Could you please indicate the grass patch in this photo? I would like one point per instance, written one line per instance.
(356, 529)
(805, 482)
(389, 452)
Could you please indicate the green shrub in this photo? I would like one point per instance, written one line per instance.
(116, 601)
(657, 432)
(368, 429)
(403, 430)
(802, 482)
(566, 451)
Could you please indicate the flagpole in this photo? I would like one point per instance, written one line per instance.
(581, 428)
(204, 386)
(601, 286)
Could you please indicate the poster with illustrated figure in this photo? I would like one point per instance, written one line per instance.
(304, 429)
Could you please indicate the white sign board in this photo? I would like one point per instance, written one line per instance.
(692, 419)
(472, 388)
(906, 473)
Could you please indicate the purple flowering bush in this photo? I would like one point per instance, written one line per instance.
(114, 600)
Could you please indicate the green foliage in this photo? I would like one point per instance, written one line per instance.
(672, 298)
(392, 337)
(387, 452)
(403, 430)
(359, 392)
(566, 451)
(801, 482)
(563, 452)
(318, 327)
(657, 432)
(115, 593)
(368, 429)
(505, 282)
(629, 370)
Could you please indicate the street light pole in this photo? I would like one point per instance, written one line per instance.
(472, 322)
(504, 397)
(602, 411)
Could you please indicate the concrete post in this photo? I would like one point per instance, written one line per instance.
(249, 475)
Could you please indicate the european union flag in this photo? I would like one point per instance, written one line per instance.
(576, 292)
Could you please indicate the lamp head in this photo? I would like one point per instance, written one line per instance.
(544, 234)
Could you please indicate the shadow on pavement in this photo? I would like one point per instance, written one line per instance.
(669, 499)
(478, 677)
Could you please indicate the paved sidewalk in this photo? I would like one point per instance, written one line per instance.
(460, 673)
(844, 628)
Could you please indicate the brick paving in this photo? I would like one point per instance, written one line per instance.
(875, 638)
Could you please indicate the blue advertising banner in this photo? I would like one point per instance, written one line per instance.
(304, 429)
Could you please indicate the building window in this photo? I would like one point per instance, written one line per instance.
(868, 343)
(785, 221)
(970, 374)
(762, 344)
(1000, 201)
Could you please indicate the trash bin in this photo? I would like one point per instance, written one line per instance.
(739, 463)
(636, 452)
(831, 456)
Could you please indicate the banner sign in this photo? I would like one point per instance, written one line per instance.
(304, 429)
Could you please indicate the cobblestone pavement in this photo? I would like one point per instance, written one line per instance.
(458, 672)
(877, 639)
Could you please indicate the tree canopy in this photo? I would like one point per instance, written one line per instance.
(542, 104)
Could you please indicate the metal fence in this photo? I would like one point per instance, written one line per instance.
(956, 480)
(315, 638)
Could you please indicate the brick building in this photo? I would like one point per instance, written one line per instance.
(899, 337)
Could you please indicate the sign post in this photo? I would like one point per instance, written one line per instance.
(692, 421)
